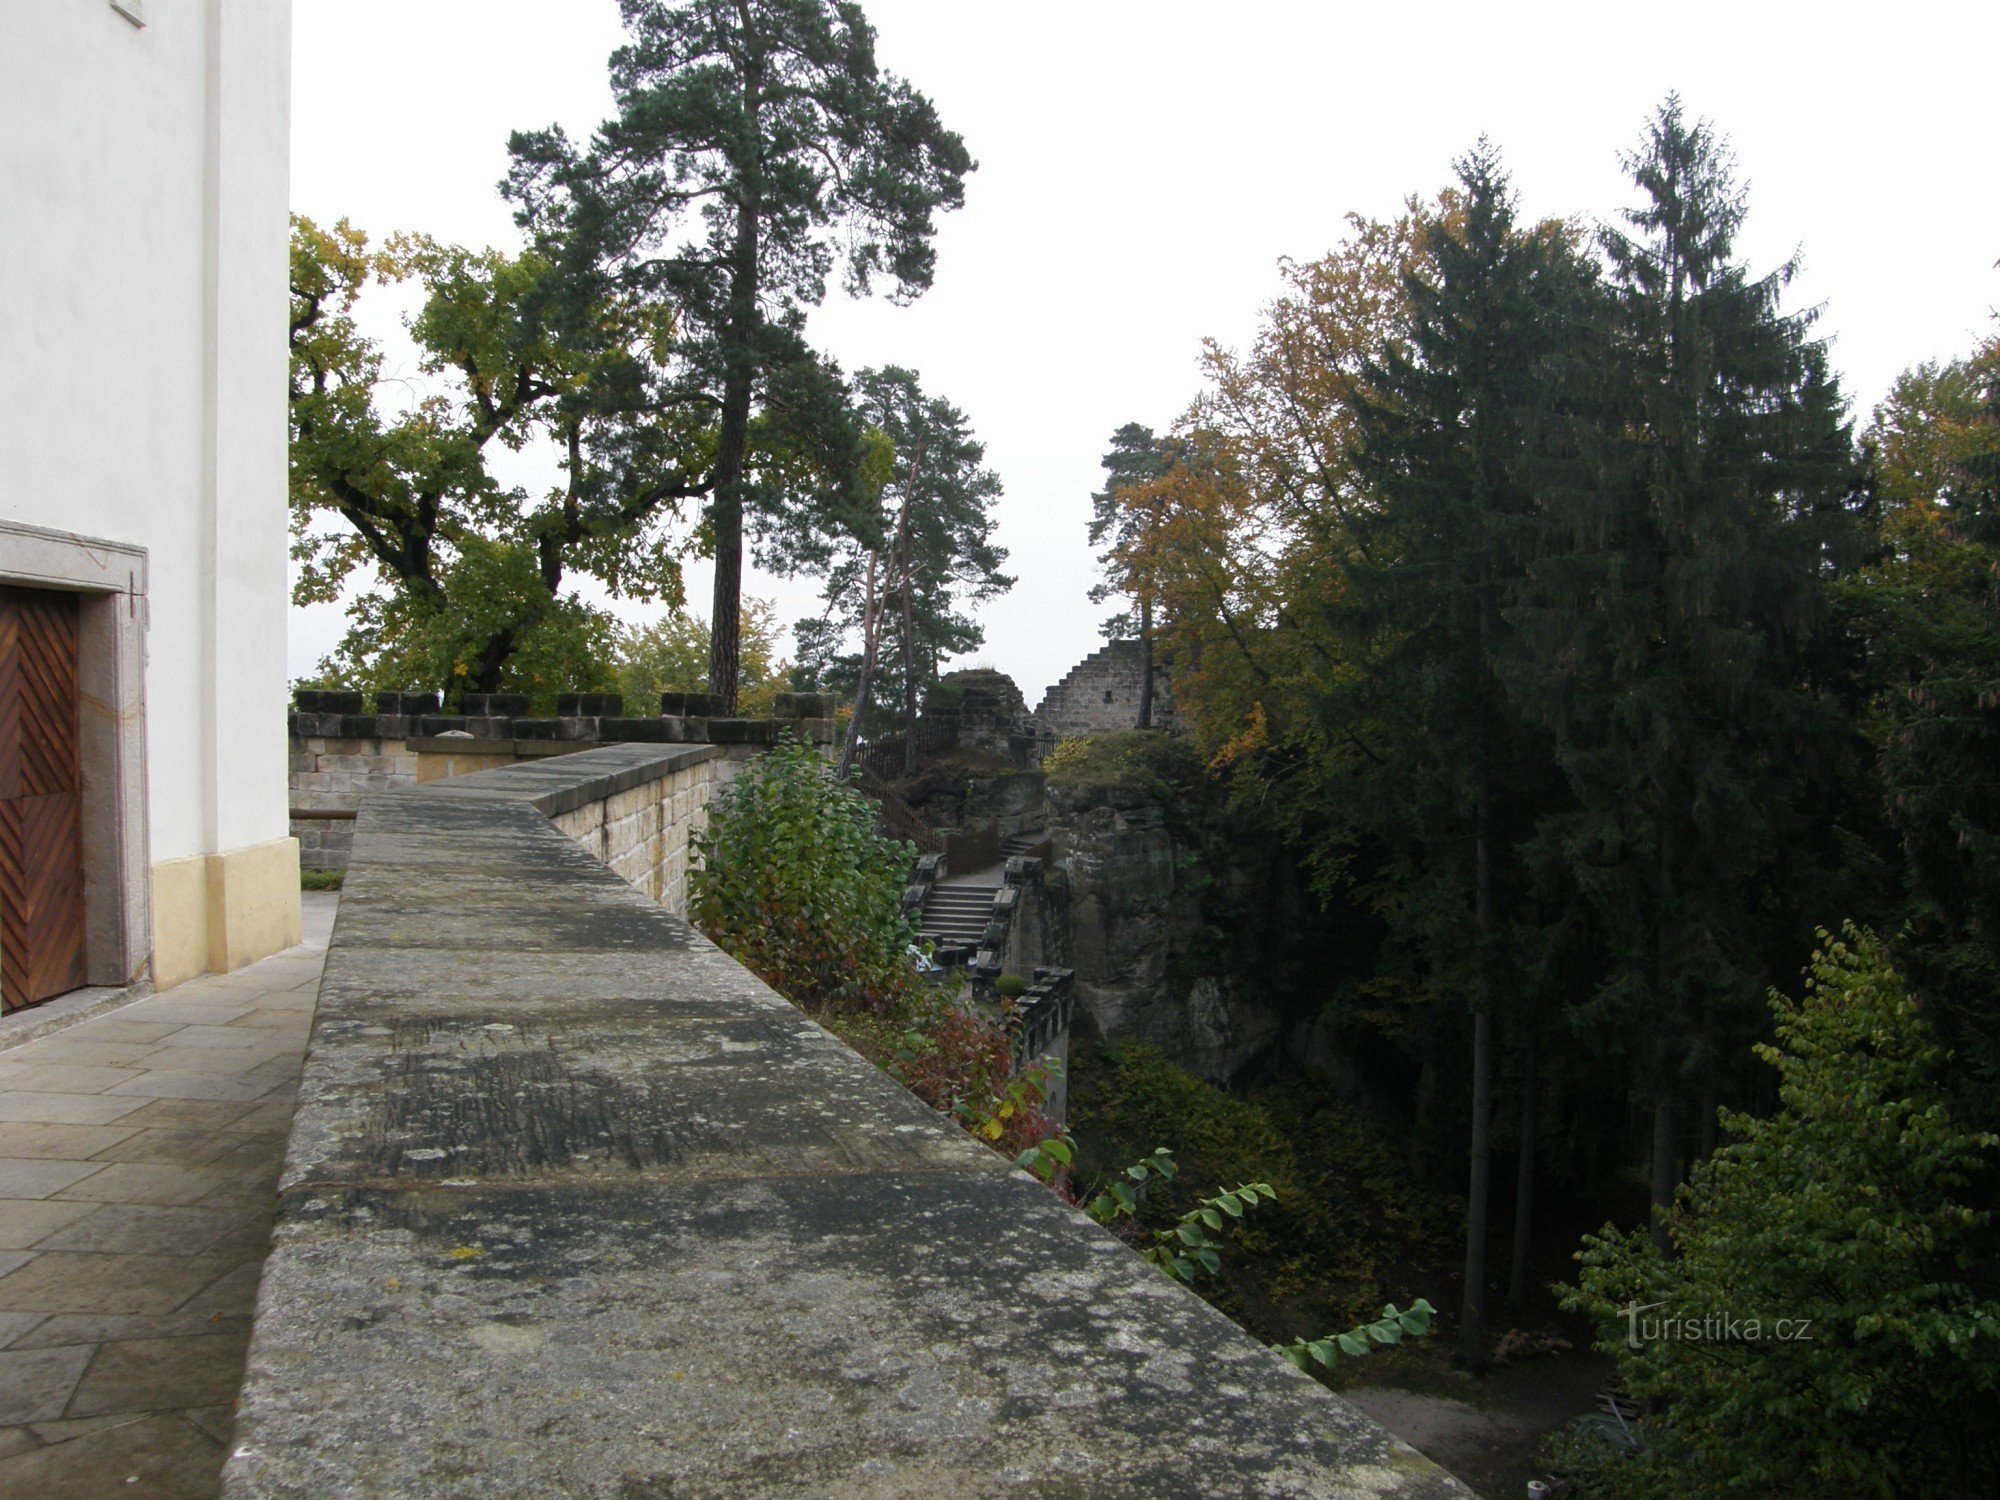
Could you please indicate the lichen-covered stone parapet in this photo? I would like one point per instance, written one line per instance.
(575, 1206)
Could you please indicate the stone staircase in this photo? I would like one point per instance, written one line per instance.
(1023, 843)
(956, 915)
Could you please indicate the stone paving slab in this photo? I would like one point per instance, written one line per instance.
(135, 1214)
(920, 1333)
(574, 1205)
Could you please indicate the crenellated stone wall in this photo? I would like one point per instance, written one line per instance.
(339, 754)
(1101, 694)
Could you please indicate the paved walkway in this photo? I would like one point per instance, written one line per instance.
(138, 1157)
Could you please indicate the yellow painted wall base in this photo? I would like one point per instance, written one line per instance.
(217, 912)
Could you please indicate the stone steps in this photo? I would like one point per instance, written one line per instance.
(957, 914)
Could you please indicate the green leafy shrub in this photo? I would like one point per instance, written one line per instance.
(1391, 1328)
(1010, 986)
(1188, 1245)
(795, 884)
(1848, 1215)
(1190, 1248)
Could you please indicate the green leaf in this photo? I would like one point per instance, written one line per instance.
(1324, 1351)
(1228, 1204)
(1352, 1345)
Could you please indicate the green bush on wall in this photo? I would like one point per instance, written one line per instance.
(794, 882)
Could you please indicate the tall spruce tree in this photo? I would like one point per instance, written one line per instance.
(1671, 612)
(1446, 428)
(763, 132)
(1121, 515)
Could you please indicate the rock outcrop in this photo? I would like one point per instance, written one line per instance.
(1187, 927)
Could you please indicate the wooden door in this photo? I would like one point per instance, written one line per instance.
(41, 811)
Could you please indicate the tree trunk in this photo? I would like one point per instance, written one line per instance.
(726, 517)
(870, 634)
(493, 660)
(1472, 1309)
(1709, 1107)
(733, 434)
(1145, 663)
(909, 657)
(1665, 1133)
(1524, 1177)
(1472, 1316)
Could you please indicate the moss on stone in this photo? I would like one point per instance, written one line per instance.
(1134, 760)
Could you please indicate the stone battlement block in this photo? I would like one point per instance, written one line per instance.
(803, 706)
(690, 705)
(411, 701)
(327, 701)
(589, 705)
(742, 731)
(659, 731)
(496, 705)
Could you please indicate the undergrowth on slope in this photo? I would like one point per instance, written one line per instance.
(1348, 1230)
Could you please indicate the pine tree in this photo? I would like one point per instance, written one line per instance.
(925, 554)
(764, 131)
(1121, 516)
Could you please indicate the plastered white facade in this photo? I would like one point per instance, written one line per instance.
(143, 308)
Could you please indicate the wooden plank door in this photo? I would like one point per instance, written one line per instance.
(41, 804)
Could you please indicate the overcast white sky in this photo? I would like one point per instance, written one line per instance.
(1142, 167)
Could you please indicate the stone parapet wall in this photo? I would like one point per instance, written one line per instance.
(641, 834)
(329, 777)
(575, 1205)
(340, 755)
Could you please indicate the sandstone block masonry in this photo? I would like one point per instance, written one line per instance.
(575, 1205)
(1101, 694)
(642, 833)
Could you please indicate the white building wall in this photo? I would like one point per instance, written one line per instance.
(143, 308)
